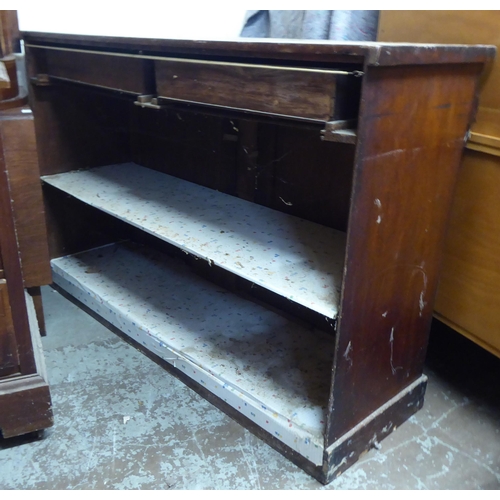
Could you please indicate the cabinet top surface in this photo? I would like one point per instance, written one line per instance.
(370, 53)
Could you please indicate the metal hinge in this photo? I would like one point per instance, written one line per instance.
(340, 131)
(148, 101)
(41, 80)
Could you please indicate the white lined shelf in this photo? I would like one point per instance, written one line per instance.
(274, 371)
(300, 260)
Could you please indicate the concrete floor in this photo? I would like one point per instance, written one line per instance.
(122, 422)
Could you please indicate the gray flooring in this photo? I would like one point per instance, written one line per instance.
(122, 422)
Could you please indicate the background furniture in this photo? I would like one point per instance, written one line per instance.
(469, 292)
(25, 404)
(284, 212)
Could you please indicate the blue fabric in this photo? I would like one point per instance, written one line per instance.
(341, 25)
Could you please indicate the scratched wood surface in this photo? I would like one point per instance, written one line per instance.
(317, 51)
(273, 90)
(411, 138)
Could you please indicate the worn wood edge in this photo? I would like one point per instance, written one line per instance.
(36, 338)
(25, 407)
(36, 412)
(348, 449)
(462, 331)
(373, 53)
(345, 136)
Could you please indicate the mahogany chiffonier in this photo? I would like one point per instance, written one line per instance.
(265, 218)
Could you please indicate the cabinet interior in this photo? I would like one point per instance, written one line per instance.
(272, 352)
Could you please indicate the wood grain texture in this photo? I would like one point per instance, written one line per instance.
(13, 272)
(25, 406)
(9, 360)
(9, 33)
(121, 73)
(79, 129)
(404, 179)
(187, 144)
(25, 402)
(271, 90)
(20, 156)
(469, 290)
(354, 53)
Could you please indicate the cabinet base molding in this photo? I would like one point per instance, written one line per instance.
(367, 434)
(25, 406)
(25, 402)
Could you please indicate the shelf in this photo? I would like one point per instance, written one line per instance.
(274, 371)
(292, 257)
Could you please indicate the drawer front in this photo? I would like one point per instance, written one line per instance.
(129, 74)
(266, 89)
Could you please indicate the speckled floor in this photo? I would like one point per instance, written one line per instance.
(122, 422)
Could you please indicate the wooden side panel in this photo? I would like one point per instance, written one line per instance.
(9, 360)
(273, 90)
(469, 292)
(20, 153)
(410, 141)
(128, 74)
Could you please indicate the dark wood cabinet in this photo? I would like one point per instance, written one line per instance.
(25, 403)
(264, 218)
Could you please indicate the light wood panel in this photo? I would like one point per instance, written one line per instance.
(469, 291)
(453, 26)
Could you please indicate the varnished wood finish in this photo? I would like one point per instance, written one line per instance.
(469, 290)
(391, 190)
(9, 33)
(122, 73)
(25, 403)
(403, 188)
(317, 51)
(9, 359)
(13, 273)
(25, 406)
(272, 89)
(20, 154)
(79, 129)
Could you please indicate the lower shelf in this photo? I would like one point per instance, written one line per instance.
(272, 370)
